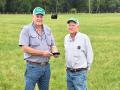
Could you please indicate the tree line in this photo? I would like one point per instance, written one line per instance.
(63, 6)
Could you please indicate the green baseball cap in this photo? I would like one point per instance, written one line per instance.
(38, 10)
(73, 20)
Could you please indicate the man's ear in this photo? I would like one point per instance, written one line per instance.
(32, 17)
(78, 27)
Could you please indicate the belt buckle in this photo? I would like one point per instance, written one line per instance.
(72, 70)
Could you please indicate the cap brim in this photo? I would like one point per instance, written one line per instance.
(71, 21)
(39, 13)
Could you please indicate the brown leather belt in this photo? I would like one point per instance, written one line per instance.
(76, 70)
(37, 63)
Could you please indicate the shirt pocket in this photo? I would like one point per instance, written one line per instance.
(79, 51)
(34, 41)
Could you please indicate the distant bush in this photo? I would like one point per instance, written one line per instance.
(73, 10)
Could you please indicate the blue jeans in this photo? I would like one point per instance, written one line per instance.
(36, 74)
(76, 80)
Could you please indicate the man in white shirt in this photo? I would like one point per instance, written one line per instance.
(79, 56)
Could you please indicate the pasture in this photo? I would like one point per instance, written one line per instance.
(103, 30)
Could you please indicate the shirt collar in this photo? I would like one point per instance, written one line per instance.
(34, 27)
(71, 39)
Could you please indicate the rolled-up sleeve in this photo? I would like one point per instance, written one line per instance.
(24, 37)
(52, 40)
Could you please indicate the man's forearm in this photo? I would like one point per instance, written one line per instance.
(31, 51)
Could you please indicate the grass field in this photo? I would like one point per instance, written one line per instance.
(104, 31)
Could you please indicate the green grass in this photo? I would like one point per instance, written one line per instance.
(104, 31)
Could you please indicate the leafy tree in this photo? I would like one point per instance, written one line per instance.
(2, 5)
(26, 6)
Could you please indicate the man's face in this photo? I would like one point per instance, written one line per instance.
(38, 19)
(73, 27)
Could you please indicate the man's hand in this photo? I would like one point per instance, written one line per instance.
(88, 69)
(56, 56)
(46, 54)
